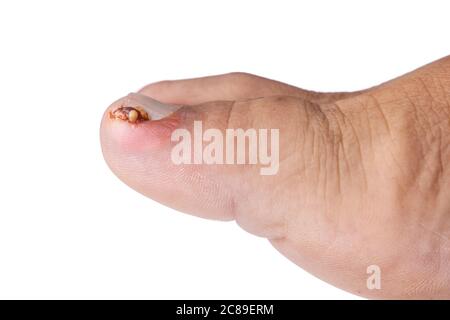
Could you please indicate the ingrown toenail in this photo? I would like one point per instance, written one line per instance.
(130, 114)
(135, 108)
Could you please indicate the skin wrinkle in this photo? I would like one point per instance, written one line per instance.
(439, 156)
(268, 227)
(298, 145)
(416, 116)
(440, 95)
(310, 131)
(326, 181)
(301, 171)
(337, 145)
(445, 149)
(425, 87)
(438, 172)
(336, 141)
(229, 113)
(340, 145)
(389, 130)
(430, 131)
(356, 139)
(308, 123)
(447, 102)
(422, 148)
(197, 178)
(338, 166)
(324, 124)
(378, 107)
(366, 112)
(390, 133)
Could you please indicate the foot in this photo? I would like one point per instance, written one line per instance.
(363, 178)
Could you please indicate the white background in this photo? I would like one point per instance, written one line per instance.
(68, 227)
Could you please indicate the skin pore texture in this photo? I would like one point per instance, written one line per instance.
(364, 177)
